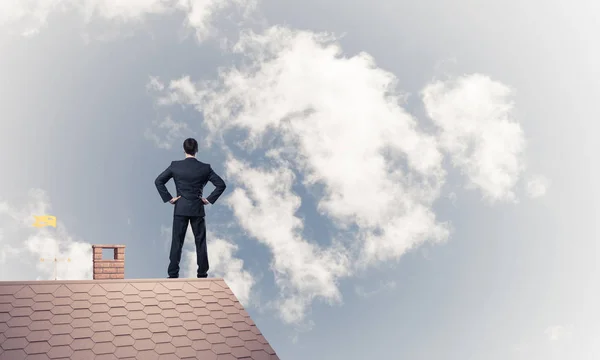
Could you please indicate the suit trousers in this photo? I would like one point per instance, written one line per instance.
(180, 225)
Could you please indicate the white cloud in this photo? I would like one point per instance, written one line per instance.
(558, 332)
(537, 186)
(477, 129)
(29, 17)
(154, 84)
(166, 232)
(22, 246)
(165, 133)
(381, 286)
(339, 122)
(131, 10)
(453, 198)
(201, 12)
(265, 205)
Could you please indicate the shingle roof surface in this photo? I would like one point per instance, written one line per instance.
(126, 319)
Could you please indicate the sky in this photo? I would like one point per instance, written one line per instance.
(406, 180)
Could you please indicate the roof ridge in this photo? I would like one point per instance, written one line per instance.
(87, 281)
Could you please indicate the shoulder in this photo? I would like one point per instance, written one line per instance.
(176, 163)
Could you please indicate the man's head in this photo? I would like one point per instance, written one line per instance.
(190, 146)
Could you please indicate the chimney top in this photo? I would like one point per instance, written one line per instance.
(109, 268)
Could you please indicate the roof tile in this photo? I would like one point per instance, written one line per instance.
(201, 345)
(134, 306)
(38, 347)
(103, 348)
(240, 352)
(14, 343)
(101, 322)
(215, 338)
(10, 289)
(39, 324)
(164, 348)
(123, 340)
(39, 335)
(23, 303)
(125, 351)
(158, 327)
(103, 336)
(61, 329)
(149, 301)
(81, 296)
(82, 332)
(61, 319)
(17, 331)
(25, 293)
(196, 335)
(79, 287)
(62, 351)
(82, 355)
(144, 344)
(110, 356)
(82, 344)
(119, 320)
(140, 334)
(81, 323)
(177, 331)
(148, 355)
(16, 354)
(181, 341)
(62, 291)
(43, 356)
(139, 324)
(124, 319)
(229, 332)
(130, 290)
(260, 355)
(57, 340)
(206, 355)
(234, 342)
(185, 351)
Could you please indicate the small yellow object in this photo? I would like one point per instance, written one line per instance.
(44, 220)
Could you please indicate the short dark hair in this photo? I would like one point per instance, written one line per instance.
(190, 146)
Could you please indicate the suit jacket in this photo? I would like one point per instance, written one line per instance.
(190, 176)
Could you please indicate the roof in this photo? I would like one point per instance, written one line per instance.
(127, 319)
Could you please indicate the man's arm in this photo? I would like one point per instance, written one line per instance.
(160, 182)
(219, 186)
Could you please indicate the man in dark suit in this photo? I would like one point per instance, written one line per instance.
(190, 176)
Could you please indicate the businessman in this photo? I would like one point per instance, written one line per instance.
(190, 176)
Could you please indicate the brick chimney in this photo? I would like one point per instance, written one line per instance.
(109, 268)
